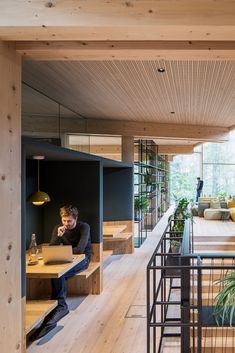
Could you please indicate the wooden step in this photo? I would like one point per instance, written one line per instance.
(107, 254)
(36, 311)
(217, 344)
(215, 331)
(213, 238)
(219, 261)
(207, 276)
(207, 286)
(214, 246)
(228, 252)
(207, 299)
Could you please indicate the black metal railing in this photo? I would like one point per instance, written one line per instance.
(176, 303)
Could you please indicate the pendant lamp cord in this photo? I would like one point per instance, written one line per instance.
(59, 120)
(38, 174)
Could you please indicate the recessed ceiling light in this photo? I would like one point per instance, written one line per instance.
(161, 69)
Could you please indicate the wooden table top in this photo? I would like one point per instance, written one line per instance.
(51, 271)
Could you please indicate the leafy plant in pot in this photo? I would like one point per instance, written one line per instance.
(148, 181)
(141, 206)
(151, 157)
(224, 309)
(181, 213)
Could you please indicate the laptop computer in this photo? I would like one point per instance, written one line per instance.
(58, 254)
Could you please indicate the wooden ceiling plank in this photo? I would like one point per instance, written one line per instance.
(191, 93)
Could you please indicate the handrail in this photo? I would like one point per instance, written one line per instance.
(163, 269)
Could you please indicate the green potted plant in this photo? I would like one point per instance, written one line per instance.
(181, 213)
(140, 206)
(148, 181)
(224, 308)
(151, 156)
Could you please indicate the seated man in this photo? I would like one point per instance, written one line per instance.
(70, 232)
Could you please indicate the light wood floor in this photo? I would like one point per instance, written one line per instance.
(115, 321)
(203, 227)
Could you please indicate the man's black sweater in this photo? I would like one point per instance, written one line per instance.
(78, 237)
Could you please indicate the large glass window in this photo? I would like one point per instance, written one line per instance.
(219, 167)
(183, 173)
(104, 146)
(213, 162)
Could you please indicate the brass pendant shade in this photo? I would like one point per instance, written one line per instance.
(38, 198)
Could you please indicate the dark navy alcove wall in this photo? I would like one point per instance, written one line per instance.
(76, 183)
(34, 214)
(118, 194)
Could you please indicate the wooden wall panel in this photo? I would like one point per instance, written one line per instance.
(11, 307)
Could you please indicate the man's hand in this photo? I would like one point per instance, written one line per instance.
(60, 231)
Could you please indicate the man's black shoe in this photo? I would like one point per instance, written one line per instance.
(56, 315)
(43, 330)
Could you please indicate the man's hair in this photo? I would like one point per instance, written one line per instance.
(198, 178)
(69, 210)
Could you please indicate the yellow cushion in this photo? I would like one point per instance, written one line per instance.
(232, 213)
(231, 204)
(204, 199)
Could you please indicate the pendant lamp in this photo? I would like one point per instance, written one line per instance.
(38, 198)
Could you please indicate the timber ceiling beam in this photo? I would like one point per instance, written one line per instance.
(157, 130)
(126, 128)
(127, 50)
(175, 149)
(117, 20)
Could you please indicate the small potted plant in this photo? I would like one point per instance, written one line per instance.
(141, 206)
(151, 157)
(148, 181)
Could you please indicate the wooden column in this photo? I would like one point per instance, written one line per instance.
(128, 149)
(11, 304)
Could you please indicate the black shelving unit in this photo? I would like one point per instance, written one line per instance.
(145, 188)
(150, 187)
(162, 185)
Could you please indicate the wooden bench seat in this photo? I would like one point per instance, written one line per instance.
(87, 281)
(37, 310)
(113, 230)
(121, 236)
(107, 254)
(121, 244)
(93, 266)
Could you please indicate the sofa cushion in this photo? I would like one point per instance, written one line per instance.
(212, 214)
(231, 203)
(232, 213)
(215, 204)
(223, 204)
(194, 210)
(201, 207)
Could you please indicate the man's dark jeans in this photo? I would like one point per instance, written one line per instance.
(198, 195)
(59, 284)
